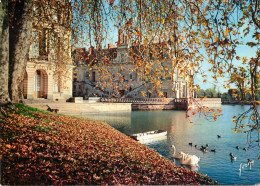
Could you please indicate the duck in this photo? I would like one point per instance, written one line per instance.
(190, 144)
(237, 147)
(250, 162)
(196, 146)
(174, 155)
(232, 157)
(207, 145)
(203, 149)
(213, 150)
(187, 159)
(245, 149)
(219, 136)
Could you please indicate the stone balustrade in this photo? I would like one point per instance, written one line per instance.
(138, 100)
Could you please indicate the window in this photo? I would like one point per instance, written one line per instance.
(94, 76)
(134, 76)
(34, 48)
(43, 43)
(183, 91)
(87, 75)
(56, 87)
(122, 58)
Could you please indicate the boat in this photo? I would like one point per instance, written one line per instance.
(149, 135)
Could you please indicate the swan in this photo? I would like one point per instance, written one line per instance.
(187, 159)
(176, 156)
(245, 149)
(242, 166)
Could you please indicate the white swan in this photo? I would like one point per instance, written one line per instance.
(176, 156)
(242, 166)
(187, 159)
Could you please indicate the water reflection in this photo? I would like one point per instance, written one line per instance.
(217, 165)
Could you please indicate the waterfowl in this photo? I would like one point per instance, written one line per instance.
(196, 146)
(219, 136)
(213, 150)
(237, 147)
(242, 166)
(207, 145)
(190, 144)
(245, 149)
(249, 162)
(187, 159)
(203, 149)
(176, 156)
(232, 156)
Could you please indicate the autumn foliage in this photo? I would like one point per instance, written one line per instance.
(39, 147)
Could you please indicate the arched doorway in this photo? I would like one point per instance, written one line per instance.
(25, 85)
(41, 84)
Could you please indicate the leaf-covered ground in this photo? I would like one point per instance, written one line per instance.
(39, 147)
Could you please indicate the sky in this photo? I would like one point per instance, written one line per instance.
(242, 51)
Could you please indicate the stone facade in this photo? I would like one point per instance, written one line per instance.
(49, 69)
(119, 77)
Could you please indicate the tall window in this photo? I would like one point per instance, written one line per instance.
(122, 58)
(34, 48)
(56, 87)
(87, 75)
(94, 76)
(43, 43)
(131, 76)
(183, 91)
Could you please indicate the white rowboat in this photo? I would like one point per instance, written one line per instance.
(149, 135)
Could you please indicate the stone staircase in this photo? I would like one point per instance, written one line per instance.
(132, 93)
(96, 90)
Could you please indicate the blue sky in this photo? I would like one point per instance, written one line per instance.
(242, 51)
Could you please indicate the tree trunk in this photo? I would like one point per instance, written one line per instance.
(4, 51)
(19, 44)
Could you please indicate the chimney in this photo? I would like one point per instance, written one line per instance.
(120, 36)
(111, 46)
(125, 39)
(91, 49)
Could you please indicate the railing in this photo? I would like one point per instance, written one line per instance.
(135, 100)
(181, 100)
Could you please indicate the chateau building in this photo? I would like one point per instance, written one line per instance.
(49, 68)
(114, 72)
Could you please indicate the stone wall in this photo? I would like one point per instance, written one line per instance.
(209, 102)
(81, 108)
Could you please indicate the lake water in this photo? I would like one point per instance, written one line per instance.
(216, 165)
